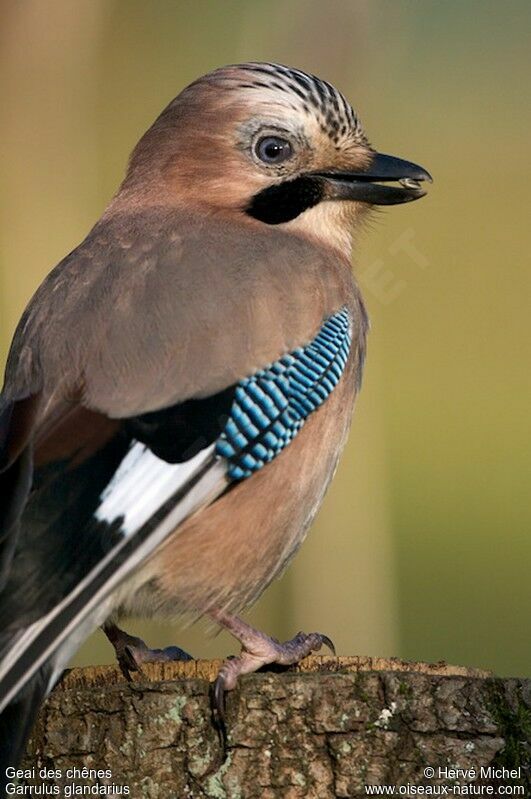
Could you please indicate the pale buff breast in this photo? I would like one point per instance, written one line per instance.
(228, 553)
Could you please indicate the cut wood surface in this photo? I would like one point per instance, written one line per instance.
(327, 728)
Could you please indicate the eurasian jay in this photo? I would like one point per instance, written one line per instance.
(180, 387)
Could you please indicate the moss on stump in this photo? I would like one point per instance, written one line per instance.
(324, 729)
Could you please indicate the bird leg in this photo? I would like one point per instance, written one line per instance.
(132, 652)
(257, 650)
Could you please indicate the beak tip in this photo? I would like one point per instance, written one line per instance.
(366, 185)
(389, 167)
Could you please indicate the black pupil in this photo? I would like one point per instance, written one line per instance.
(273, 150)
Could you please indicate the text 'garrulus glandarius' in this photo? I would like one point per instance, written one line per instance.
(179, 388)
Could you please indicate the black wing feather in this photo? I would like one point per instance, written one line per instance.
(60, 542)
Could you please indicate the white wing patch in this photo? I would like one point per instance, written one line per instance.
(141, 485)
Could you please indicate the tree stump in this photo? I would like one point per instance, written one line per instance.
(327, 728)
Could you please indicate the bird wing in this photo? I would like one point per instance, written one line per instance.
(143, 411)
(156, 308)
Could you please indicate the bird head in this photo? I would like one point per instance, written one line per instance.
(274, 145)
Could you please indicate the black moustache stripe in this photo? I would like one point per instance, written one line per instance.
(286, 201)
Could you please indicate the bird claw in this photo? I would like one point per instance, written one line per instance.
(328, 643)
(258, 651)
(302, 645)
(132, 658)
(132, 652)
(218, 701)
(127, 661)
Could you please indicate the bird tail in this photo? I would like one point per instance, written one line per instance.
(16, 722)
(59, 633)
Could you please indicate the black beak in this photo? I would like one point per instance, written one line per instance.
(365, 185)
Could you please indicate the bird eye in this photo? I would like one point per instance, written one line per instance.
(273, 150)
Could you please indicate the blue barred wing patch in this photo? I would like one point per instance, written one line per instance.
(270, 407)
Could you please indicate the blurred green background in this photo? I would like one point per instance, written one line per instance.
(422, 548)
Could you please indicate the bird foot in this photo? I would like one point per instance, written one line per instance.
(258, 650)
(132, 652)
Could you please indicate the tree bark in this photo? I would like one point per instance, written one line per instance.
(325, 729)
